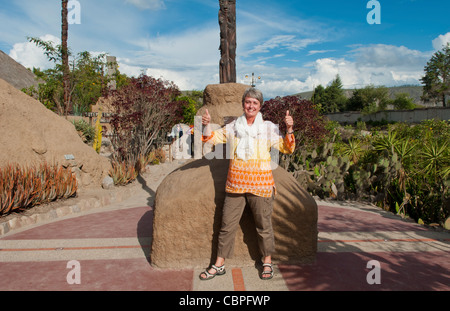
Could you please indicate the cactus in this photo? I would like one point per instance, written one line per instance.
(324, 173)
(405, 169)
(321, 172)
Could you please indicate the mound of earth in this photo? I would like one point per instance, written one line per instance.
(16, 74)
(31, 134)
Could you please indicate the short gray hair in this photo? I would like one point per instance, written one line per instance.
(253, 93)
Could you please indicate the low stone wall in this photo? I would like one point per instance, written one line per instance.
(410, 116)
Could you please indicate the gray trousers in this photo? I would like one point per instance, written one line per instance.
(233, 208)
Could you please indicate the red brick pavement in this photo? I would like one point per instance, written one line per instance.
(333, 270)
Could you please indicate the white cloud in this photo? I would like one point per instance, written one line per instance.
(184, 82)
(193, 80)
(373, 64)
(266, 19)
(289, 42)
(382, 55)
(191, 61)
(192, 48)
(127, 69)
(441, 41)
(282, 87)
(190, 58)
(313, 52)
(30, 55)
(148, 4)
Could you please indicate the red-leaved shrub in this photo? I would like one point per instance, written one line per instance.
(144, 111)
(309, 127)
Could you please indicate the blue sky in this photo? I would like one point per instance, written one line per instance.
(293, 45)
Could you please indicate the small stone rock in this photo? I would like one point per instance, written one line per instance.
(108, 183)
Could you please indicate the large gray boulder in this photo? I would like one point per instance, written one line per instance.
(188, 212)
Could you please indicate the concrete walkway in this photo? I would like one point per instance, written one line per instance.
(360, 248)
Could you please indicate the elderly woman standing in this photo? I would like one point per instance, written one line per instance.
(249, 179)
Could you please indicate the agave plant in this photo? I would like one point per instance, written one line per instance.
(353, 150)
(435, 160)
(387, 142)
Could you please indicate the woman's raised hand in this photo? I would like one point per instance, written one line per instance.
(206, 118)
(289, 122)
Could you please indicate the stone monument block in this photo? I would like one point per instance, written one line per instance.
(188, 213)
(223, 101)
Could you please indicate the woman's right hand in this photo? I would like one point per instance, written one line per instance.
(206, 118)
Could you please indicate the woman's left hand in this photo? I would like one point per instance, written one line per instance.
(289, 122)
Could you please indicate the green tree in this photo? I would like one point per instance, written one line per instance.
(437, 77)
(50, 93)
(369, 99)
(189, 107)
(87, 80)
(403, 101)
(330, 99)
(335, 95)
(319, 97)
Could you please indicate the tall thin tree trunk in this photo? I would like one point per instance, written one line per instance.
(65, 56)
(227, 24)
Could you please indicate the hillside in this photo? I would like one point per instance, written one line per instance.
(414, 91)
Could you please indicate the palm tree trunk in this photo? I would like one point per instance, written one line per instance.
(65, 56)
